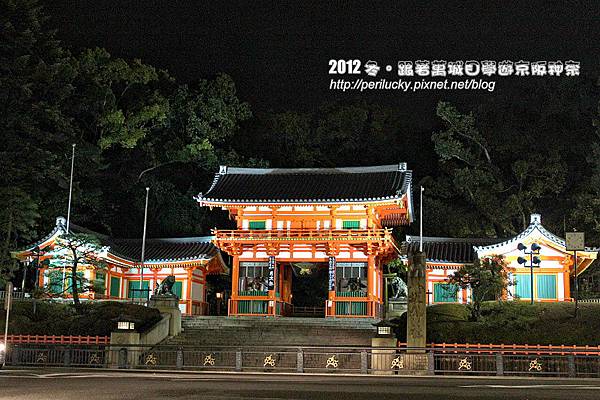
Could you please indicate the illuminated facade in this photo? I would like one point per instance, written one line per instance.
(338, 218)
(551, 280)
(190, 260)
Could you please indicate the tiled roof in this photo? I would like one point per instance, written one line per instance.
(447, 250)
(172, 249)
(308, 185)
(157, 250)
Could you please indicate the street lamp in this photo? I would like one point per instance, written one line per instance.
(533, 259)
(7, 307)
(142, 293)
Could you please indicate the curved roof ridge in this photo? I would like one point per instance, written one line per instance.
(309, 185)
(416, 238)
(520, 235)
(535, 223)
(187, 239)
(328, 170)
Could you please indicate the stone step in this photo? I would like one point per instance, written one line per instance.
(274, 331)
(295, 320)
(274, 323)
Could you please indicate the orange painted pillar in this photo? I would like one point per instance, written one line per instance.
(567, 284)
(372, 276)
(379, 283)
(107, 283)
(123, 282)
(92, 294)
(188, 295)
(235, 276)
(41, 277)
(370, 280)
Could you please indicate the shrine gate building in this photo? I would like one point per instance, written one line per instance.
(335, 218)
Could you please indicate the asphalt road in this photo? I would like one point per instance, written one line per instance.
(90, 385)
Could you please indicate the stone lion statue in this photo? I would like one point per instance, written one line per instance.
(399, 288)
(258, 283)
(354, 285)
(166, 286)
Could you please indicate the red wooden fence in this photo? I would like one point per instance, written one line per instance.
(50, 339)
(482, 348)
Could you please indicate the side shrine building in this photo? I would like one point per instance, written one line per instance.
(189, 260)
(338, 218)
(551, 278)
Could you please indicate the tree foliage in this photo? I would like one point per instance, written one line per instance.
(486, 278)
(503, 187)
(488, 165)
(74, 252)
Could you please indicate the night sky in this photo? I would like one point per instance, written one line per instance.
(278, 54)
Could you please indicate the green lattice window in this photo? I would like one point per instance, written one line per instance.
(177, 289)
(55, 281)
(134, 292)
(253, 293)
(257, 225)
(100, 282)
(353, 224)
(546, 286)
(445, 293)
(79, 282)
(115, 286)
(523, 286)
(253, 307)
(351, 308)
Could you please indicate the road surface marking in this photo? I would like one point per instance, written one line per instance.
(540, 386)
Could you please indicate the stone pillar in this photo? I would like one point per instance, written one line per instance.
(416, 328)
(168, 304)
(124, 351)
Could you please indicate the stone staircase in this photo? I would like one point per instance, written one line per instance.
(261, 331)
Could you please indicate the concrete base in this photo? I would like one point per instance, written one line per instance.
(134, 342)
(122, 339)
(169, 305)
(416, 364)
(396, 307)
(381, 360)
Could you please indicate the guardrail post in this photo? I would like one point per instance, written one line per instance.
(123, 357)
(179, 359)
(14, 355)
(430, 363)
(238, 360)
(499, 364)
(300, 361)
(364, 365)
(572, 367)
(67, 356)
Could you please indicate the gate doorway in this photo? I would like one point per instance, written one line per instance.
(309, 289)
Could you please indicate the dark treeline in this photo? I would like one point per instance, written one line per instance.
(485, 167)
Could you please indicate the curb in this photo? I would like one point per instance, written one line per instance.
(175, 372)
